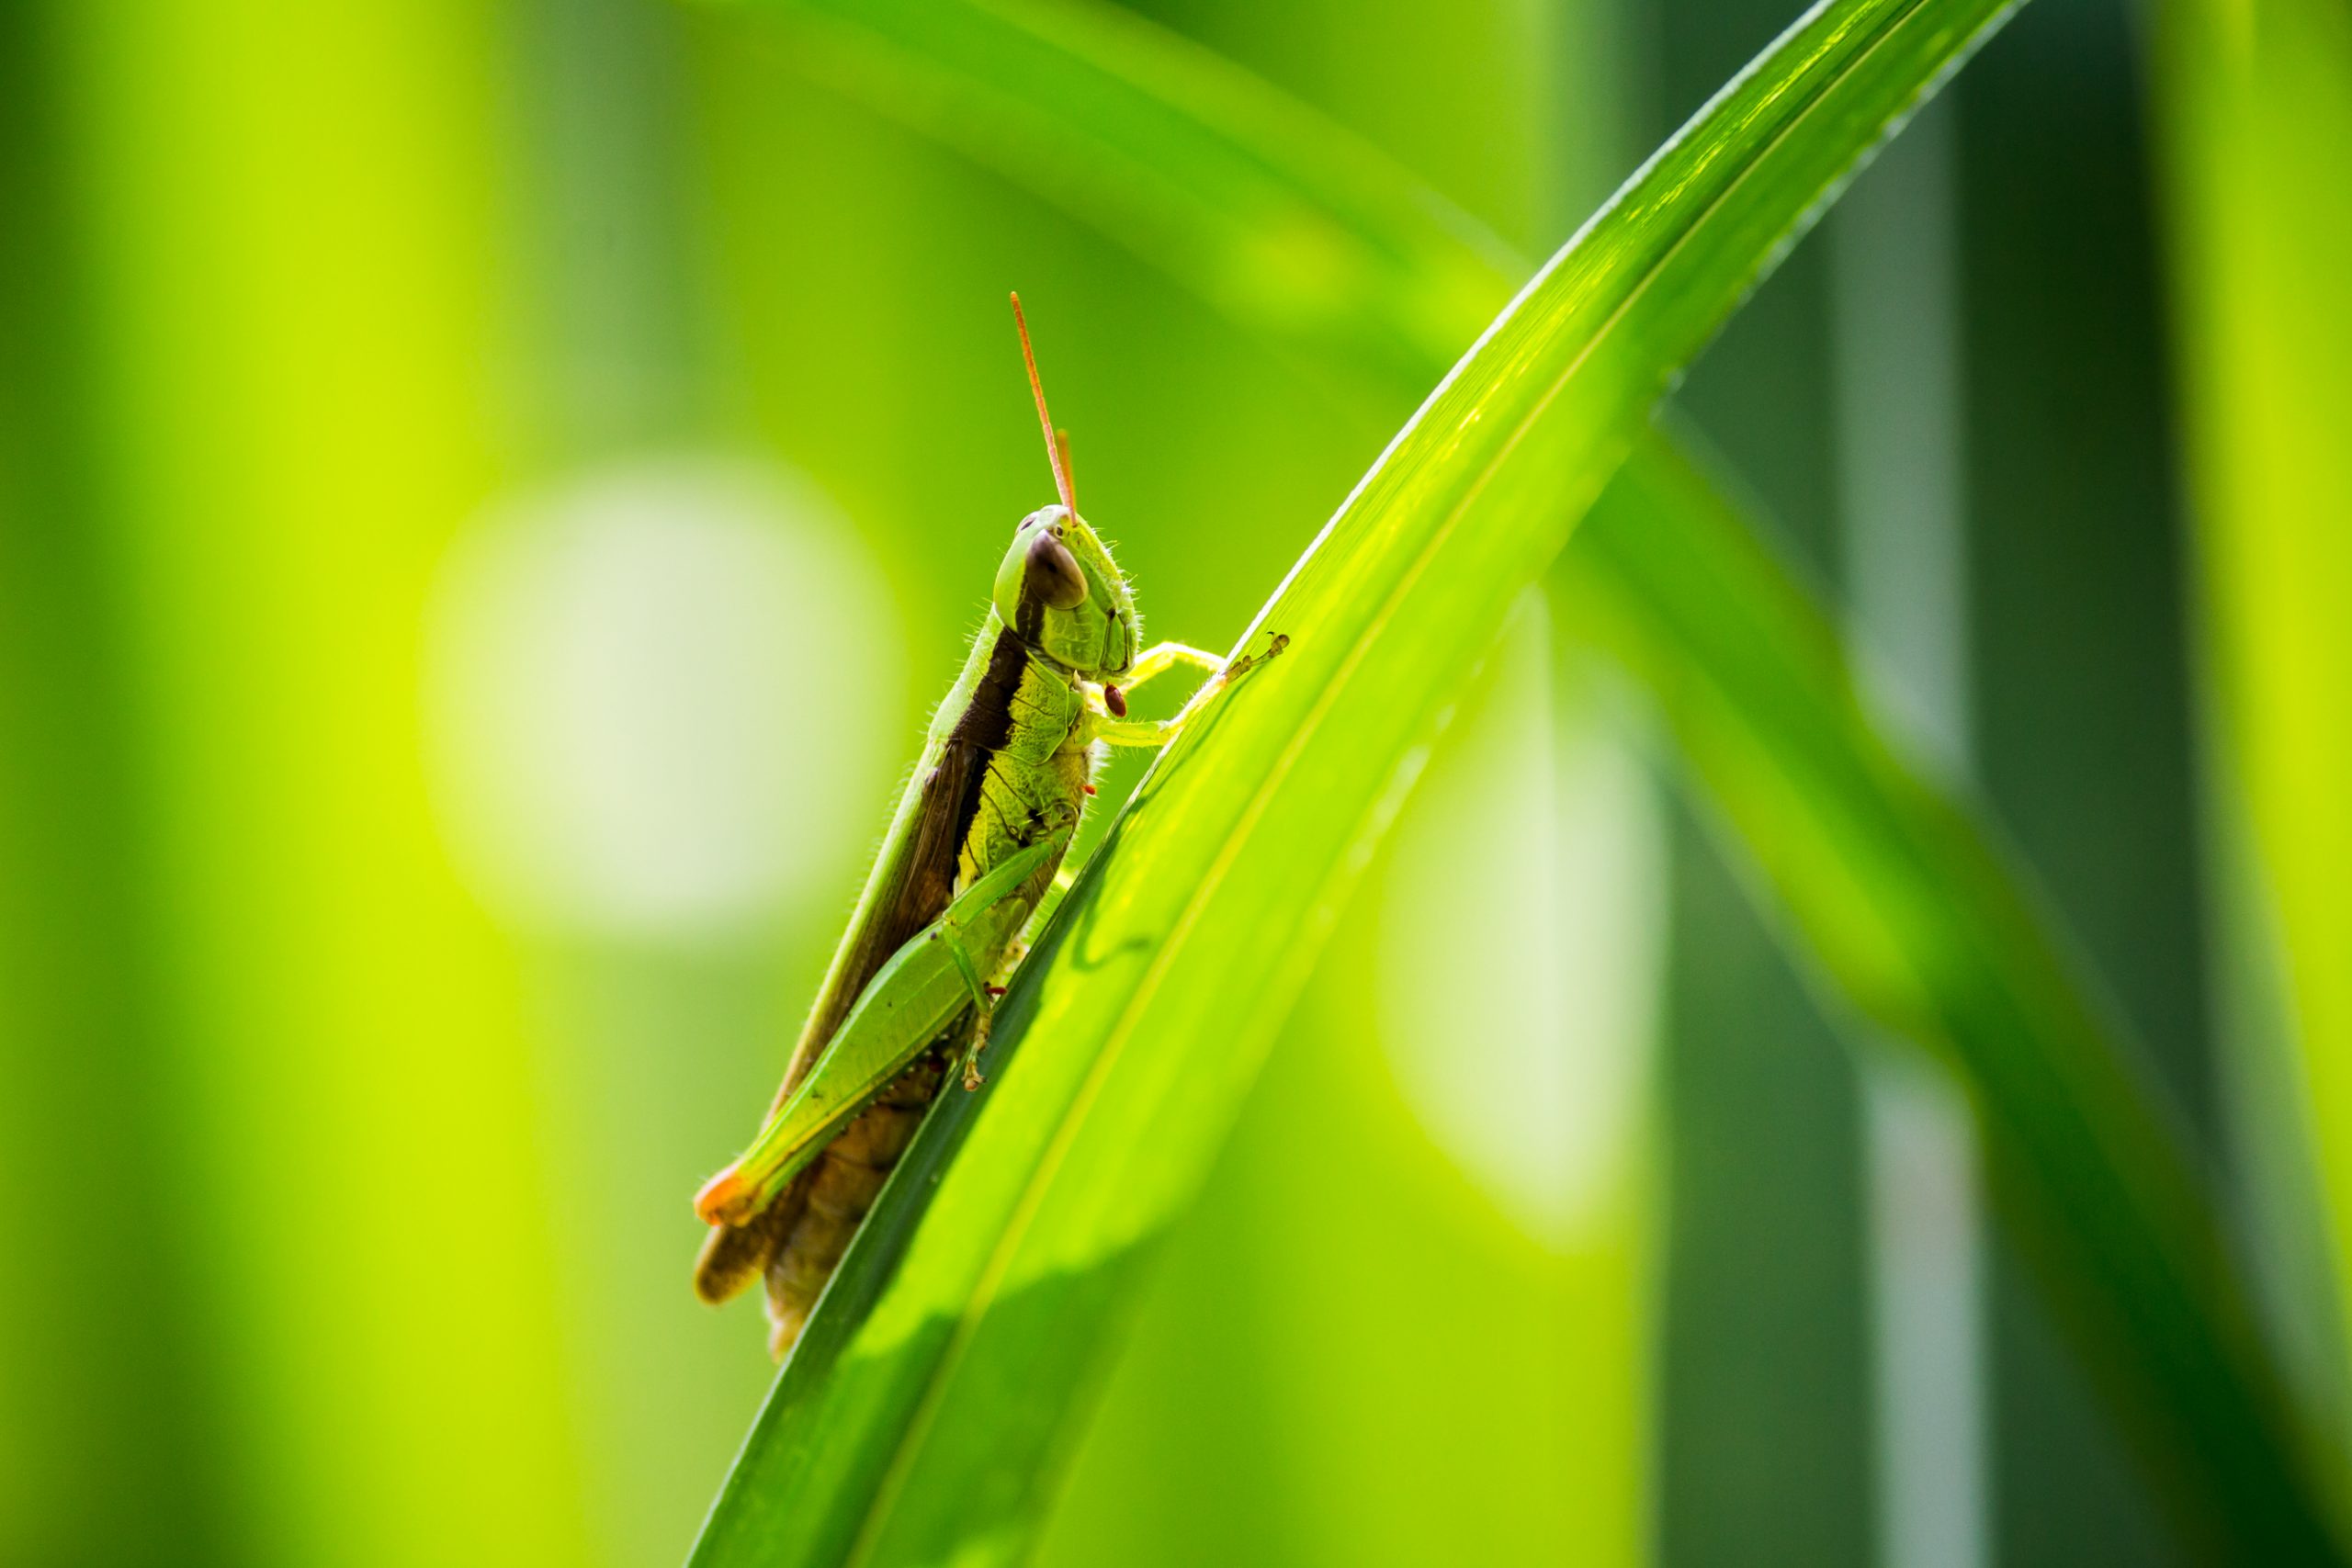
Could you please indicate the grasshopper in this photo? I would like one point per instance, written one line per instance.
(972, 852)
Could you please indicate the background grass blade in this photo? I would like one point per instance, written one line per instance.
(1264, 207)
(2259, 101)
(1917, 914)
(928, 1431)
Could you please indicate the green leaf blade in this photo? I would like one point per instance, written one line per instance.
(1261, 206)
(2258, 112)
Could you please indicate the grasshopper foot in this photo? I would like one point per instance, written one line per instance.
(972, 1078)
(1248, 661)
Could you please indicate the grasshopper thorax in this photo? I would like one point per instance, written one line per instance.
(1062, 594)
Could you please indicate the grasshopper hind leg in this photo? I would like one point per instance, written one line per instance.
(734, 1256)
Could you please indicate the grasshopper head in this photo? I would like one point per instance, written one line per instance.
(1061, 593)
(1058, 589)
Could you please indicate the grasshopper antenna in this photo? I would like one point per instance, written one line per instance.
(1056, 444)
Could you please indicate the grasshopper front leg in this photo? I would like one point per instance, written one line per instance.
(1162, 657)
(1114, 727)
(911, 1000)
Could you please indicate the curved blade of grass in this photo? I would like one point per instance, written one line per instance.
(2257, 105)
(1916, 911)
(925, 1431)
(1314, 240)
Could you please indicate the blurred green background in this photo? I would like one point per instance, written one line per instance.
(489, 490)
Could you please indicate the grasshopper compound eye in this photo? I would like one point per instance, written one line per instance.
(1053, 577)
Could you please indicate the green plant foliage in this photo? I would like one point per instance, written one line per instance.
(1914, 911)
(2260, 102)
(1265, 208)
(921, 1418)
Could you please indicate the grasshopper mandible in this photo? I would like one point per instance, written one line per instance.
(976, 844)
